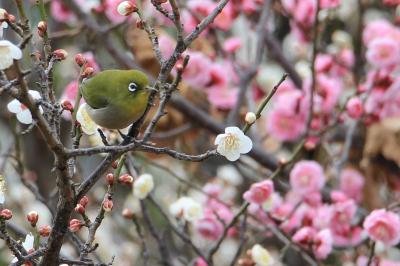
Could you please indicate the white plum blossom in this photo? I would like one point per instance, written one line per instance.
(261, 256)
(88, 126)
(23, 114)
(8, 52)
(233, 143)
(27, 244)
(143, 186)
(187, 208)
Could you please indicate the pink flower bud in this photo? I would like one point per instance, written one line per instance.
(126, 8)
(80, 209)
(33, 218)
(110, 179)
(126, 179)
(87, 72)
(42, 28)
(354, 108)
(108, 205)
(60, 54)
(44, 230)
(84, 201)
(80, 60)
(11, 18)
(127, 213)
(6, 214)
(75, 225)
(67, 105)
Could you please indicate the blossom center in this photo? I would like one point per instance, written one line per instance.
(304, 179)
(231, 141)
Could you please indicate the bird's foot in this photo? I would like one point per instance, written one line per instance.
(126, 138)
(103, 137)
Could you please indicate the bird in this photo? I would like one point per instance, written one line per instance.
(116, 98)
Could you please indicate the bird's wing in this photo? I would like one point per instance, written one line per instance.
(92, 95)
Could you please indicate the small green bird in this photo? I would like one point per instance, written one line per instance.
(116, 98)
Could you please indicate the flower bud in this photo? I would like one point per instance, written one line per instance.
(6, 214)
(44, 230)
(75, 225)
(126, 8)
(87, 72)
(60, 54)
(33, 218)
(67, 105)
(80, 60)
(3, 15)
(354, 108)
(108, 205)
(42, 28)
(110, 179)
(84, 201)
(126, 179)
(127, 213)
(250, 118)
(11, 18)
(80, 209)
(114, 164)
(179, 67)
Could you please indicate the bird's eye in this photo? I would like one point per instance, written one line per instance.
(132, 87)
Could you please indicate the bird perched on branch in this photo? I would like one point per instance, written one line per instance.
(116, 98)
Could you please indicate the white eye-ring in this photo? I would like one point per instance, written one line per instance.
(132, 87)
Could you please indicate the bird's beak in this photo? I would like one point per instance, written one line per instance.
(150, 89)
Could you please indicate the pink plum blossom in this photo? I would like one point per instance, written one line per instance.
(307, 177)
(61, 13)
(383, 52)
(354, 108)
(197, 73)
(330, 3)
(167, 45)
(382, 225)
(323, 242)
(285, 126)
(259, 192)
(232, 44)
(352, 183)
(377, 29)
(304, 236)
(222, 97)
(209, 228)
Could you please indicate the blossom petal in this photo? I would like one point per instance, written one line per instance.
(218, 139)
(14, 106)
(245, 144)
(35, 94)
(16, 53)
(234, 130)
(232, 156)
(28, 243)
(25, 117)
